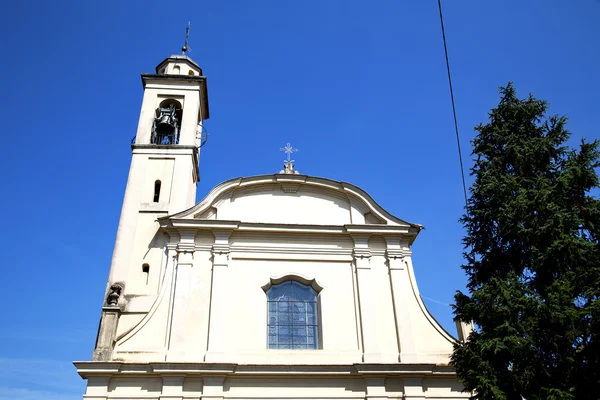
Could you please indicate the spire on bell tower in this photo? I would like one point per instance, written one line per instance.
(185, 47)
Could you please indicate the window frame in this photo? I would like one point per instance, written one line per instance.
(319, 322)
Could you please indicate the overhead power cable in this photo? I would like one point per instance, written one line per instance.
(462, 171)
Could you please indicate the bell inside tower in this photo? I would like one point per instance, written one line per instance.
(167, 123)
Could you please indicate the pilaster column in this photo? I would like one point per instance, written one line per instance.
(375, 387)
(366, 298)
(464, 330)
(403, 296)
(183, 279)
(97, 388)
(105, 342)
(218, 335)
(413, 389)
(172, 388)
(212, 388)
(107, 332)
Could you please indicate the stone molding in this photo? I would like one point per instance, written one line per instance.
(88, 369)
(172, 224)
(264, 251)
(414, 377)
(186, 242)
(170, 150)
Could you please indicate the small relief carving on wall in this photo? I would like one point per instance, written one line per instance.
(113, 297)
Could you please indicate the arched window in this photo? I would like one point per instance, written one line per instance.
(292, 316)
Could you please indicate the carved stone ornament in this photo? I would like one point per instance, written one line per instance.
(113, 297)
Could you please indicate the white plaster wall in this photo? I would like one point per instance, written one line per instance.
(148, 246)
(431, 341)
(158, 168)
(269, 204)
(278, 388)
(183, 190)
(246, 309)
(236, 332)
(198, 311)
(290, 245)
(138, 238)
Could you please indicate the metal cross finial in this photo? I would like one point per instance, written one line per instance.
(288, 167)
(185, 47)
(289, 150)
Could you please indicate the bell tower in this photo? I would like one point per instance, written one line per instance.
(162, 179)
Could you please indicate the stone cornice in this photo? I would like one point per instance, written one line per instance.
(88, 369)
(182, 82)
(170, 77)
(381, 229)
(164, 149)
(169, 223)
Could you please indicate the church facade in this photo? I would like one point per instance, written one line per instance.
(281, 286)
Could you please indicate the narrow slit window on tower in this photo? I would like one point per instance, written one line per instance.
(146, 271)
(156, 191)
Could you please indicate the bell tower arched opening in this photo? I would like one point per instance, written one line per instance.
(167, 122)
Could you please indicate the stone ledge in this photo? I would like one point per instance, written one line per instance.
(110, 368)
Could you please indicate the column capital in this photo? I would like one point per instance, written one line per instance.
(172, 387)
(185, 256)
(361, 251)
(413, 388)
(222, 235)
(213, 387)
(396, 250)
(186, 241)
(375, 386)
(395, 259)
(362, 258)
(221, 248)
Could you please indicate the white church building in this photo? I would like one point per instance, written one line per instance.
(280, 286)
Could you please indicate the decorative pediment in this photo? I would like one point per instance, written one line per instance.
(291, 199)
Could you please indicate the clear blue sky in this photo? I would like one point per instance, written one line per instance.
(359, 87)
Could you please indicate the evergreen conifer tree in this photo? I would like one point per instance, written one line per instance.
(532, 260)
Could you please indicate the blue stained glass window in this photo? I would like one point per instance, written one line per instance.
(292, 316)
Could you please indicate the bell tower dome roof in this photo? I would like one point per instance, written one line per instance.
(178, 64)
